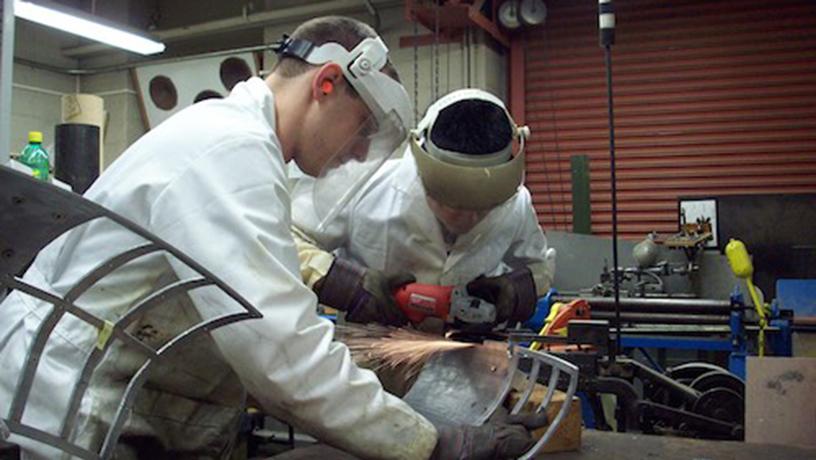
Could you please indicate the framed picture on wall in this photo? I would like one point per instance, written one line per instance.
(704, 209)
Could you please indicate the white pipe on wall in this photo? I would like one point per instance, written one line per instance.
(37, 89)
(6, 75)
(51, 92)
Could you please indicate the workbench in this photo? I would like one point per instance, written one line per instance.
(605, 445)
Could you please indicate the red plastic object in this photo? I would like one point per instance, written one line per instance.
(419, 301)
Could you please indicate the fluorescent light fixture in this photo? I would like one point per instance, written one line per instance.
(91, 29)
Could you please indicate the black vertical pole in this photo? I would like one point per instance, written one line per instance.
(606, 28)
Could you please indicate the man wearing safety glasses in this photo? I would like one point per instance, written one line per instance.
(212, 181)
(452, 212)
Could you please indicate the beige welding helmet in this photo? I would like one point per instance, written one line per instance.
(474, 180)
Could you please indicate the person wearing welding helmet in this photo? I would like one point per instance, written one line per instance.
(451, 211)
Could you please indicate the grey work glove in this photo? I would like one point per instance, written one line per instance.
(365, 294)
(513, 294)
(500, 439)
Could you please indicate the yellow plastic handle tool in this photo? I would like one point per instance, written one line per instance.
(741, 265)
(556, 307)
(738, 258)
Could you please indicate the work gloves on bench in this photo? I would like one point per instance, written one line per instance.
(365, 294)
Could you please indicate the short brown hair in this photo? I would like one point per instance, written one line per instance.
(346, 31)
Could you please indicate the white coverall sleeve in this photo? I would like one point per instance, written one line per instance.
(230, 212)
(529, 245)
(315, 262)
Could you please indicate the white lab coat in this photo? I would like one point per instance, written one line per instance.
(212, 182)
(389, 227)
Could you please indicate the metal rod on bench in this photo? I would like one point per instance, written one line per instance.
(655, 305)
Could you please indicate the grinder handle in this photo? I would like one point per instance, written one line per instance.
(419, 301)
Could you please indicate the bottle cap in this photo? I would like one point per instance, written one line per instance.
(34, 136)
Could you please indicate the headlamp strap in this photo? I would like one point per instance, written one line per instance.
(293, 47)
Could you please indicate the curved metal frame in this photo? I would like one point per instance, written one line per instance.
(557, 366)
(53, 212)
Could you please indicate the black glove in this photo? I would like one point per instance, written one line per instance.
(366, 295)
(513, 294)
(508, 438)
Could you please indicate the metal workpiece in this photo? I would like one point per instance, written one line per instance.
(32, 214)
(463, 387)
(467, 386)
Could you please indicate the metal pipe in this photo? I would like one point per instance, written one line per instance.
(804, 321)
(690, 395)
(36, 89)
(42, 66)
(662, 318)
(6, 76)
(656, 305)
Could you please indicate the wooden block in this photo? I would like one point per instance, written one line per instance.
(780, 407)
(568, 435)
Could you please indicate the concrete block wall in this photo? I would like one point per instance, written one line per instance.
(36, 104)
(35, 97)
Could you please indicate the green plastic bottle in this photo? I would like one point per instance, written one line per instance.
(35, 157)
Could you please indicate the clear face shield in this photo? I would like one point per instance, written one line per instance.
(358, 151)
(349, 170)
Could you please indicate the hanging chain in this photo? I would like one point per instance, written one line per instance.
(447, 61)
(436, 51)
(416, 66)
(467, 56)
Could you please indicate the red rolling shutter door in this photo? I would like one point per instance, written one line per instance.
(711, 98)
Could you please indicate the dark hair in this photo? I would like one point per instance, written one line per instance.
(472, 126)
(347, 32)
